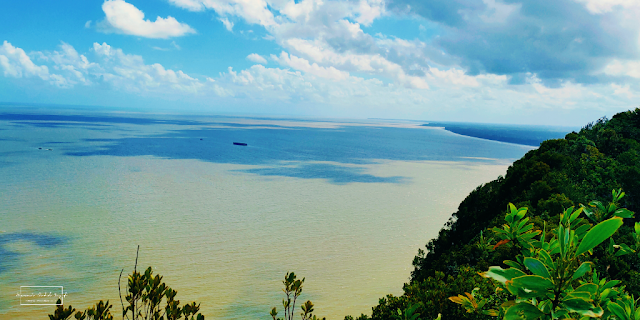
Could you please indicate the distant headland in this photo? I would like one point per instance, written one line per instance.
(520, 134)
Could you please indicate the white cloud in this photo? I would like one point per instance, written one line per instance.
(369, 10)
(125, 18)
(173, 44)
(17, 64)
(227, 24)
(455, 76)
(623, 68)
(321, 88)
(253, 11)
(112, 67)
(622, 90)
(374, 64)
(129, 72)
(257, 58)
(603, 6)
(313, 69)
(87, 24)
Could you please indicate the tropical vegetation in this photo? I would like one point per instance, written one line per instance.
(567, 247)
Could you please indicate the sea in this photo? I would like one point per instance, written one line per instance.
(345, 204)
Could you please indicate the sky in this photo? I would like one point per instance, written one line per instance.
(559, 62)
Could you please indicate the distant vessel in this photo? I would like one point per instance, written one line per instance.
(239, 143)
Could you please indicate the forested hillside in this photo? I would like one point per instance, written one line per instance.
(561, 173)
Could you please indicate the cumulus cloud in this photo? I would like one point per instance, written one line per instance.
(325, 89)
(325, 38)
(257, 58)
(314, 69)
(129, 72)
(16, 63)
(569, 41)
(111, 67)
(124, 17)
(557, 40)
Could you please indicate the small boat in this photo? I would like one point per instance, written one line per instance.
(239, 144)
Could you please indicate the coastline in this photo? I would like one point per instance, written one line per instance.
(523, 135)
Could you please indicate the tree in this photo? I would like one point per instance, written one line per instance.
(145, 296)
(292, 290)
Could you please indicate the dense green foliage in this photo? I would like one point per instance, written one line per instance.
(552, 277)
(561, 173)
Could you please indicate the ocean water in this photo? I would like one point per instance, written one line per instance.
(344, 203)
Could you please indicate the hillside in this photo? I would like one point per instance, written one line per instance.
(583, 166)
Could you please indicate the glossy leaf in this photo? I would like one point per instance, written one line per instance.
(537, 267)
(582, 270)
(523, 311)
(581, 306)
(502, 275)
(617, 310)
(591, 288)
(534, 282)
(623, 213)
(598, 234)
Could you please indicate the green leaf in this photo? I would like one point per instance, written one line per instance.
(581, 306)
(624, 249)
(579, 294)
(599, 205)
(617, 310)
(582, 229)
(521, 212)
(523, 311)
(623, 213)
(575, 215)
(546, 258)
(610, 284)
(582, 269)
(591, 288)
(502, 275)
(535, 283)
(599, 233)
(536, 267)
(637, 227)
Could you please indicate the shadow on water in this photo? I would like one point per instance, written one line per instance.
(333, 173)
(91, 119)
(59, 124)
(9, 258)
(349, 145)
(303, 152)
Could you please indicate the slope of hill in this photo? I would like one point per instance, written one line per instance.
(583, 166)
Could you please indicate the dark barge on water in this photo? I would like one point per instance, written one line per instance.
(239, 144)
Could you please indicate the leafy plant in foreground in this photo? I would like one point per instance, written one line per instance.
(548, 279)
(293, 289)
(145, 297)
(598, 212)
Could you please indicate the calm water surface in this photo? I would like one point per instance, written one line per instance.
(345, 204)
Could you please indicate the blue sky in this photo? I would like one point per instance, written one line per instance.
(562, 62)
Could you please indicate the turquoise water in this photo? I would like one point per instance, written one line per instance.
(345, 204)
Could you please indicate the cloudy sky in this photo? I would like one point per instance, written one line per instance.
(501, 61)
